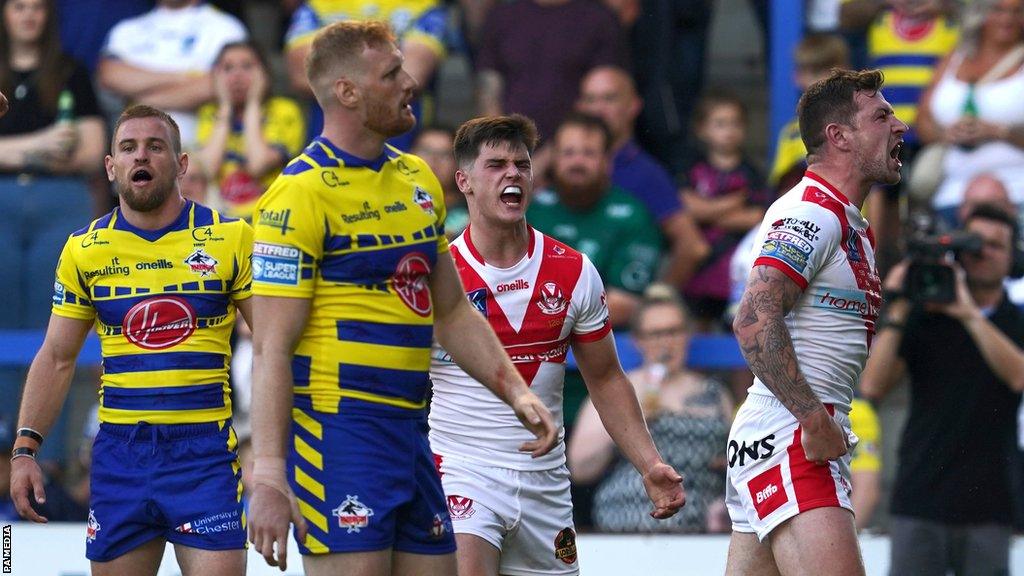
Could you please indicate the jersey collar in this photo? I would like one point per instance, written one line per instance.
(353, 161)
(832, 189)
(476, 254)
(180, 223)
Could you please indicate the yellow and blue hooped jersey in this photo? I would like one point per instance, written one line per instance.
(423, 21)
(359, 238)
(164, 306)
(908, 57)
(790, 152)
(284, 129)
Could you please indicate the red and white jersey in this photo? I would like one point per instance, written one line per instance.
(538, 307)
(820, 240)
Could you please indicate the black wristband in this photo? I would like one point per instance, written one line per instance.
(23, 451)
(30, 433)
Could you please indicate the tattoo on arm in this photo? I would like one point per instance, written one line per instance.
(765, 340)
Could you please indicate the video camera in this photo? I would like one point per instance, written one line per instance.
(930, 279)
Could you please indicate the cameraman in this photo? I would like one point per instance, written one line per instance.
(951, 505)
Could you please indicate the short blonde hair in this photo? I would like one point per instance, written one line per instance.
(336, 49)
(136, 111)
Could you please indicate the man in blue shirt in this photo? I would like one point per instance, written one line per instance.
(609, 93)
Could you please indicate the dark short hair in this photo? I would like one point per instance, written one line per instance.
(142, 111)
(587, 122)
(717, 97)
(987, 211)
(515, 129)
(830, 101)
(250, 45)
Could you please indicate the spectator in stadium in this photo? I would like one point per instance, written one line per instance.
(246, 136)
(688, 415)
(421, 27)
(951, 505)
(985, 189)
(434, 146)
(906, 41)
(163, 58)
(49, 143)
(534, 54)
(669, 47)
(587, 212)
(84, 25)
(195, 183)
(972, 107)
(726, 195)
(609, 93)
(814, 56)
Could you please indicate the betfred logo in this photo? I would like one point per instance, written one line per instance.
(767, 491)
(159, 322)
(519, 284)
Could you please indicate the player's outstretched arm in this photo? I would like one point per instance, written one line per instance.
(277, 324)
(615, 400)
(465, 334)
(767, 347)
(45, 389)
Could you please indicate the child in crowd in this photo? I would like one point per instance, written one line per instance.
(247, 136)
(726, 195)
(814, 57)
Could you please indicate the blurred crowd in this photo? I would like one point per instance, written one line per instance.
(643, 166)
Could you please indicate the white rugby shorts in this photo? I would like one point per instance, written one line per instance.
(527, 515)
(769, 479)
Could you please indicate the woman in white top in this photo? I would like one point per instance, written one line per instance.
(976, 103)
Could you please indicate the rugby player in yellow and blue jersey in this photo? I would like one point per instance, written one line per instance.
(351, 275)
(160, 278)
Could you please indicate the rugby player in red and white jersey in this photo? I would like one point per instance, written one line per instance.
(512, 513)
(804, 325)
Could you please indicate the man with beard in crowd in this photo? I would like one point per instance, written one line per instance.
(599, 219)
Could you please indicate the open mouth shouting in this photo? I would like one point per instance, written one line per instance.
(512, 196)
(141, 176)
(895, 152)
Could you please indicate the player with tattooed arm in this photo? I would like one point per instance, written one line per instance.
(804, 325)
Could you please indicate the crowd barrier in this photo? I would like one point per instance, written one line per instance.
(59, 550)
(18, 347)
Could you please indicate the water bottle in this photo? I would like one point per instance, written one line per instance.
(65, 107)
(66, 116)
(650, 392)
(970, 111)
